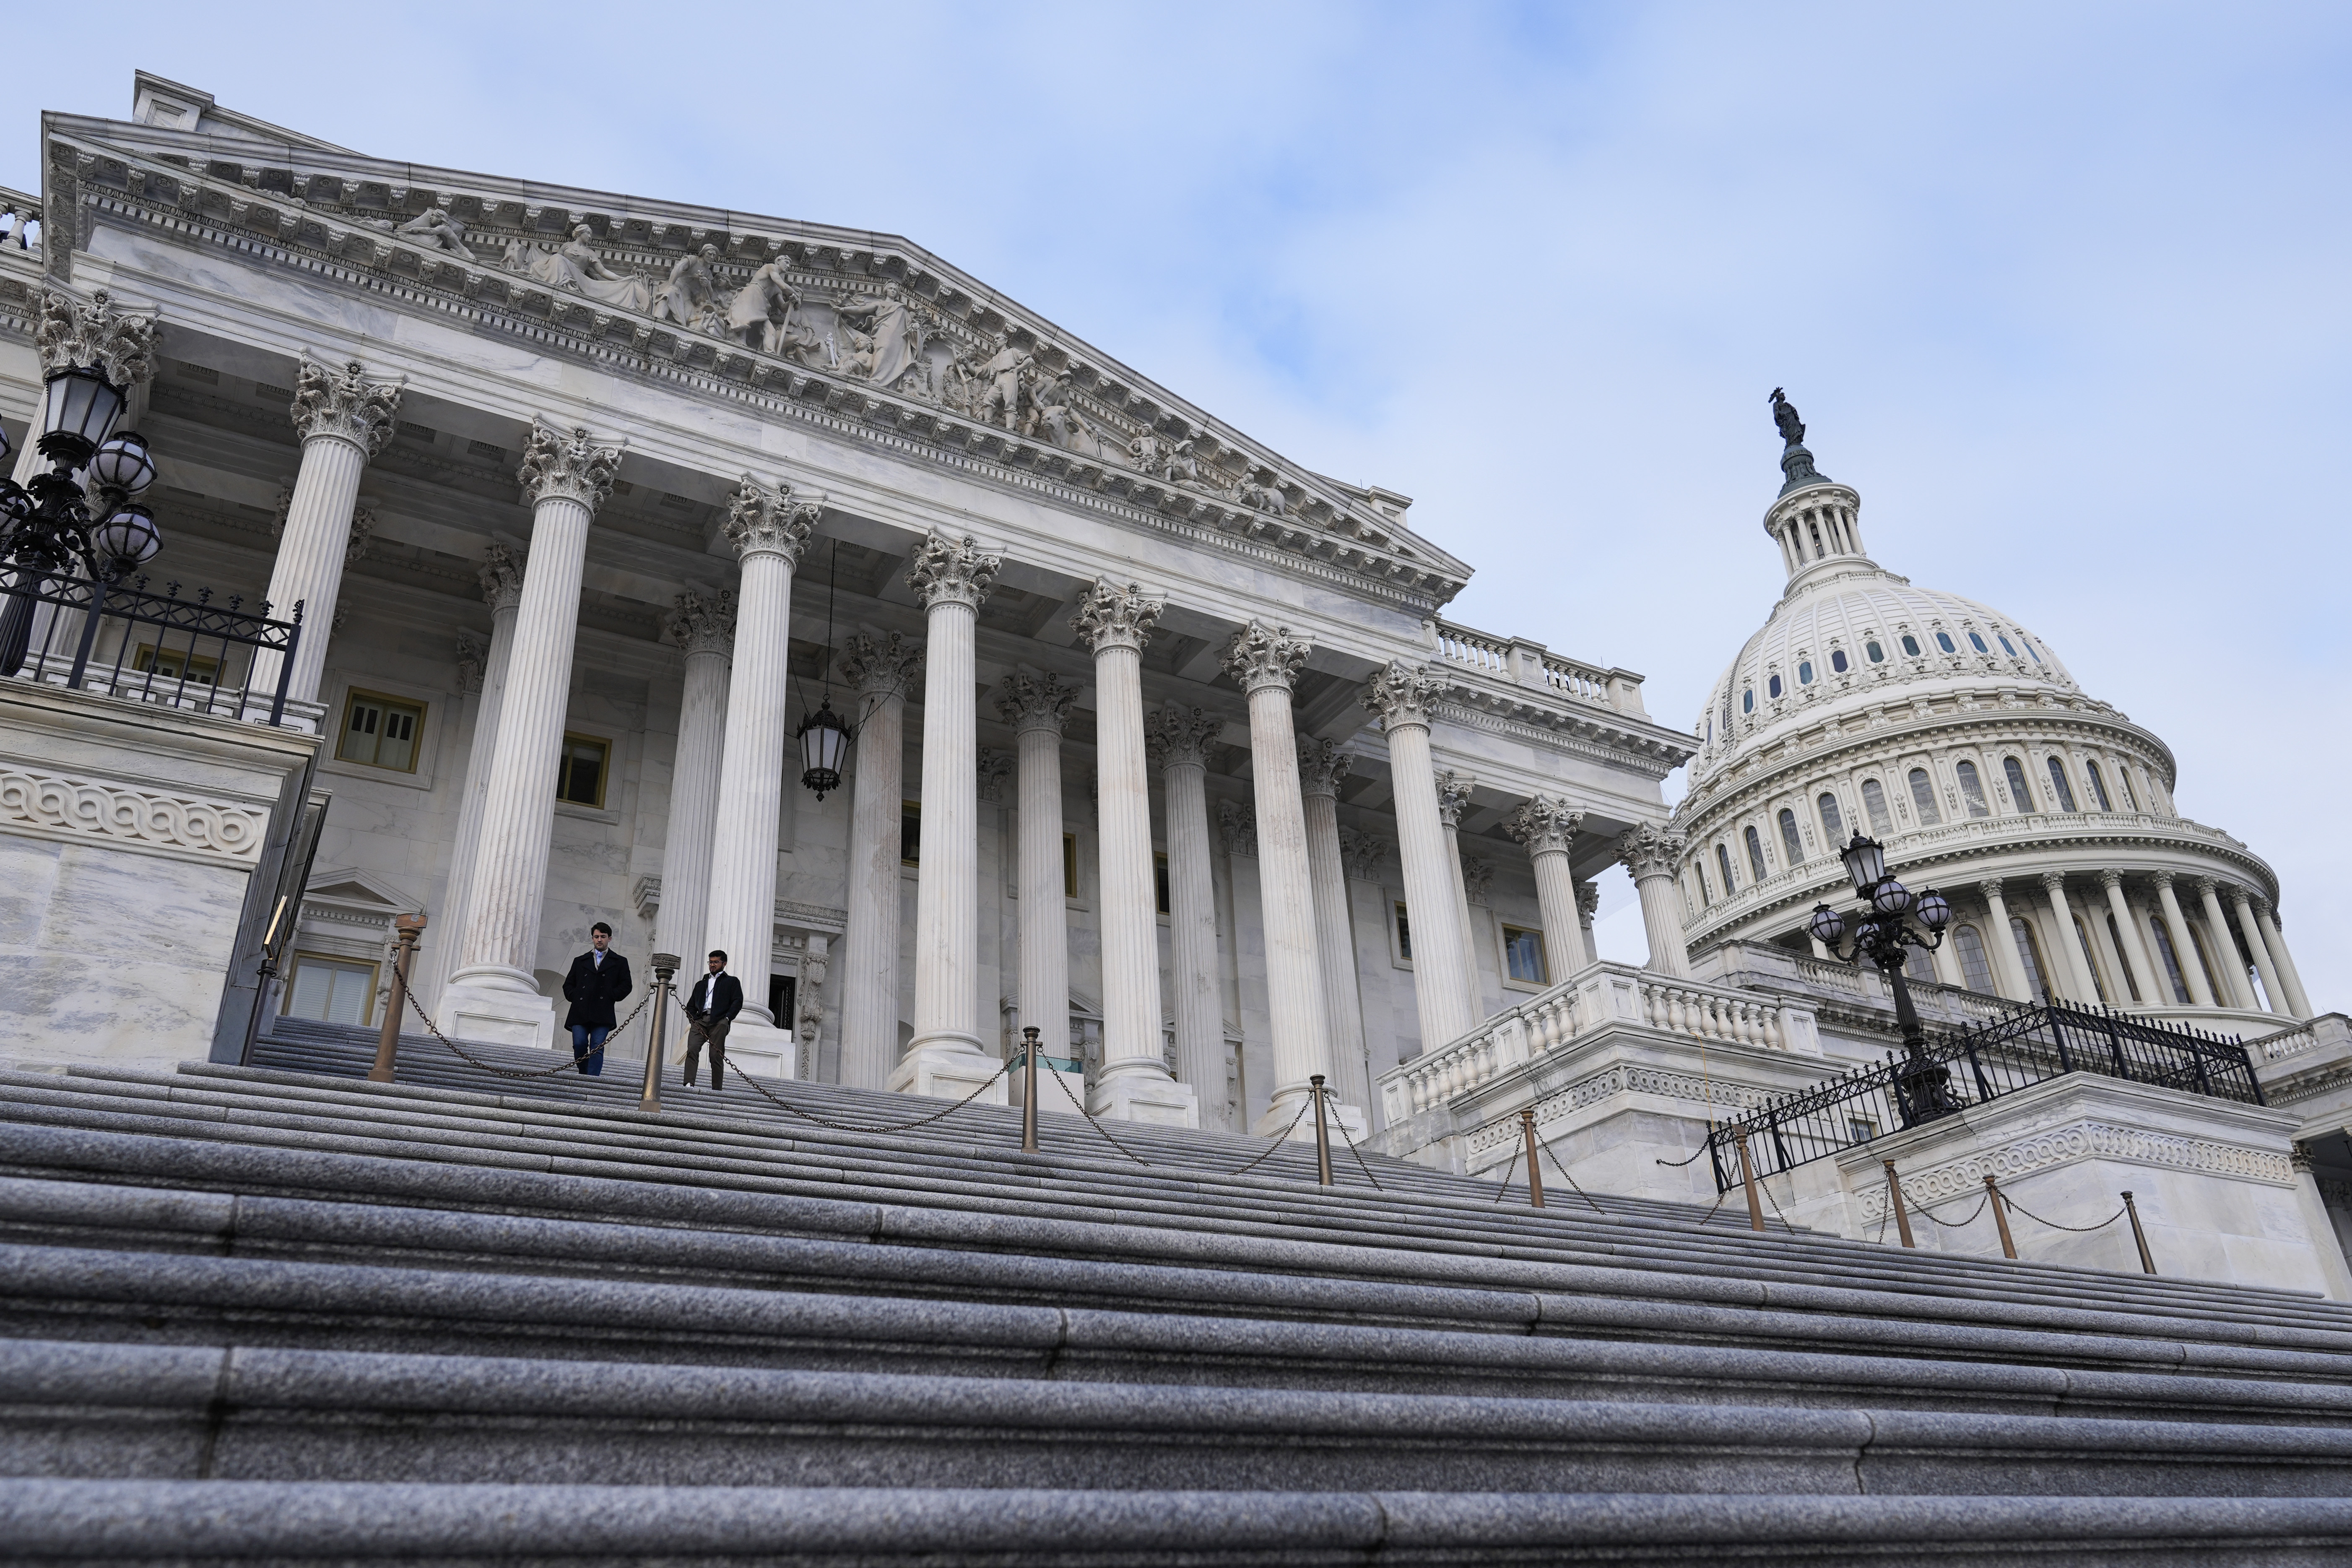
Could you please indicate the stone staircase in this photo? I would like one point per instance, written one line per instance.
(281, 1314)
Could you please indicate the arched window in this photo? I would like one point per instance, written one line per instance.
(1877, 654)
(1832, 822)
(1704, 898)
(1944, 641)
(1974, 963)
(1910, 645)
(1971, 789)
(2058, 782)
(2089, 960)
(1874, 803)
(1748, 701)
(1837, 660)
(1789, 841)
(1722, 864)
(1923, 798)
(2029, 957)
(2123, 959)
(1918, 967)
(2007, 649)
(2163, 950)
(2019, 795)
(1772, 687)
(2032, 649)
(1978, 643)
(1756, 856)
(2098, 785)
(1805, 672)
(2131, 795)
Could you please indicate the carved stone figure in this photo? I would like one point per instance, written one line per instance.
(1263, 494)
(1145, 450)
(1182, 467)
(762, 310)
(438, 229)
(1055, 411)
(896, 337)
(578, 267)
(689, 291)
(1002, 374)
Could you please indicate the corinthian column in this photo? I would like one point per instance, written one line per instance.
(952, 578)
(493, 996)
(879, 668)
(2184, 946)
(2224, 948)
(2081, 979)
(769, 528)
(1651, 853)
(1546, 825)
(342, 419)
(1588, 904)
(1038, 706)
(2297, 1003)
(1405, 699)
(2272, 988)
(2135, 943)
(1134, 1084)
(705, 628)
(1321, 765)
(1453, 798)
(1183, 736)
(2000, 946)
(1264, 663)
(501, 576)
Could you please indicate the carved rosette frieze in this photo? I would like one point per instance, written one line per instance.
(566, 465)
(341, 403)
(1363, 854)
(762, 520)
(1258, 657)
(1321, 766)
(1651, 851)
(1237, 828)
(1477, 878)
(97, 336)
(1035, 700)
(1110, 616)
(1453, 796)
(1402, 696)
(472, 659)
(501, 572)
(1545, 824)
(952, 571)
(700, 623)
(1588, 900)
(879, 666)
(1178, 736)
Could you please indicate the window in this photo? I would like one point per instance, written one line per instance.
(910, 833)
(1404, 935)
(2131, 796)
(1789, 841)
(1874, 805)
(1705, 897)
(1772, 687)
(1861, 1129)
(2020, 796)
(1877, 654)
(2171, 961)
(1923, 798)
(1837, 660)
(1832, 822)
(1978, 643)
(580, 778)
(2123, 959)
(1159, 883)
(1805, 672)
(1975, 962)
(2098, 785)
(2205, 962)
(380, 731)
(2007, 649)
(1523, 955)
(1069, 865)
(2058, 782)
(1944, 641)
(1918, 966)
(334, 989)
(1748, 701)
(2083, 935)
(1722, 864)
(1910, 645)
(1756, 855)
(1971, 789)
(2034, 651)
(782, 993)
(172, 663)
(2029, 957)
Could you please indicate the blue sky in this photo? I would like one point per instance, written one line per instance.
(2062, 290)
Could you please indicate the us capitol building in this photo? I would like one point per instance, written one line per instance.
(605, 517)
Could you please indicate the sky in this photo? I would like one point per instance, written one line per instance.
(2060, 290)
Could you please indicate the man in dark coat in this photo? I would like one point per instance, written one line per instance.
(710, 1009)
(599, 978)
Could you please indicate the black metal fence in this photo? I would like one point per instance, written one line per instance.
(120, 640)
(2029, 1046)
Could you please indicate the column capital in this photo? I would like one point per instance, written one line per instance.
(566, 465)
(2262, 905)
(1453, 796)
(501, 572)
(341, 403)
(701, 624)
(1990, 888)
(1180, 736)
(1588, 899)
(1259, 657)
(1321, 765)
(1402, 696)
(1108, 616)
(1031, 700)
(764, 520)
(1649, 850)
(2207, 886)
(2109, 880)
(949, 572)
(1362, 853)
(95, 335)
(472, 657)
(1237, 827)
(2055, 883)
(2162, 878)
(1545, 824)
(878, 664)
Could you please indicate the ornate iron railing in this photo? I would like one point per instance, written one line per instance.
(119, 640)
(2028, 1045)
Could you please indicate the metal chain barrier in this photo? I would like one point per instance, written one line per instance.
(1678, 1165)
(1351, 1149)
(1982, 1199)
(1094, 1122)
(1884, 1214)
(1561, 1166)
(1509, 1172)
(786, 1105)
(2079, 1229)
(569, 1064)
(1718, 1204)
(1278, 1142)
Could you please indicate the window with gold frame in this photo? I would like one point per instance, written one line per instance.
(580, 778)
(380, 731)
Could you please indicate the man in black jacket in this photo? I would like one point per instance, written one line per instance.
(599, 978)
(711, 1010)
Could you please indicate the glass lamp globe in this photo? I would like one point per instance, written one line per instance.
(128, 540)
(1933, 911)
(1890, 897)
(123, 463)
(1827, 926)
(824, 742)
(1865, 862)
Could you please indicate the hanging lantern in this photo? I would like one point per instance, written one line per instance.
(824, 742)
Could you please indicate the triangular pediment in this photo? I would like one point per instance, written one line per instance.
(358, 891)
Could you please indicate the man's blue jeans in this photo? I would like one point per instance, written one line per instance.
(588, 1049)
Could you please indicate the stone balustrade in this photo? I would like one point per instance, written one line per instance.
(1515, 661)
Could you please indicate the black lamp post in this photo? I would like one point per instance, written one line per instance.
(1883, 926)
(54, 523)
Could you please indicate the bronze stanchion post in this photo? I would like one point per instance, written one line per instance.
(2147, 1262)
(1322, 1136)
(1894, 1197)
(1029, 1089)
(1748, 1180)
(387, 1043)
(665, 966)
(2000, 1216)
(1535, 1169)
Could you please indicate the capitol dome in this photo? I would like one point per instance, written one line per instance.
(1958, 739)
